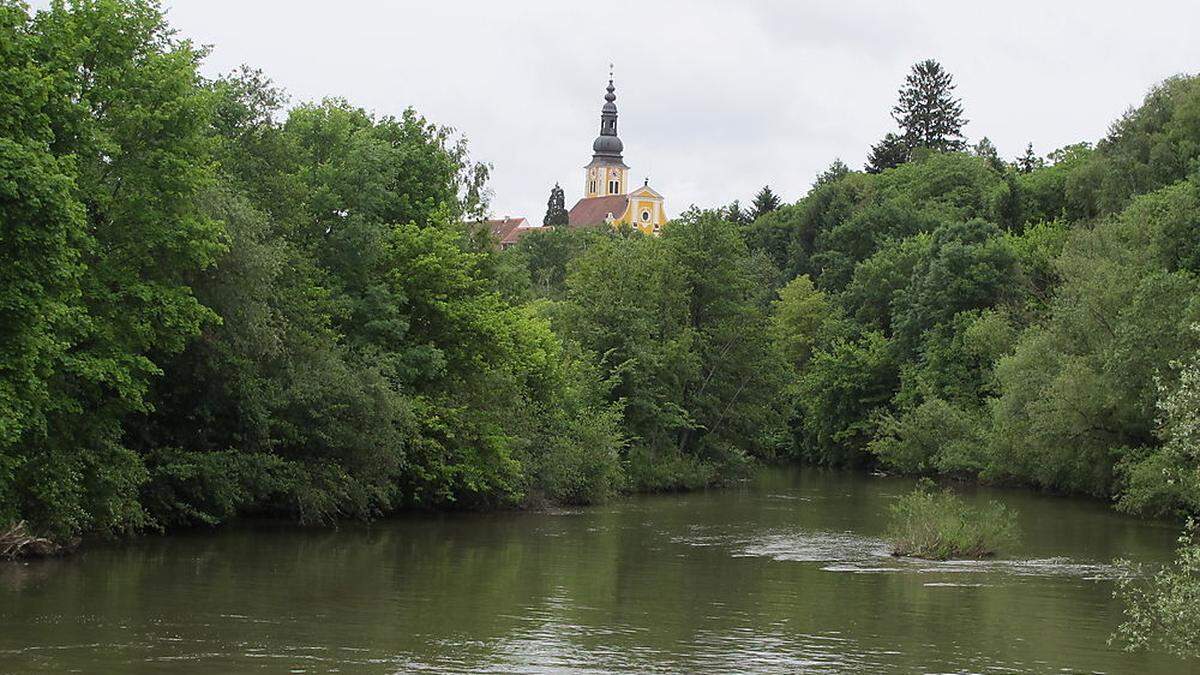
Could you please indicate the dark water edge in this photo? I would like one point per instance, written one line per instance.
(784, 573)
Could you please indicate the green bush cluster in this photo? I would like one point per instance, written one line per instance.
(939, 525)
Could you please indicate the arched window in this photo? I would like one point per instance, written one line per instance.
(592, 187)
(614, 186)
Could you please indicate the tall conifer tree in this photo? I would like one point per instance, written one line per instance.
(556, 208)
(765, 202)
(1029, 161)
(891, 151)
(928, 113)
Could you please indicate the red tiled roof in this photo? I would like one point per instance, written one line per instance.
(508, 231)
(500, 228)
(594, 210)
(514, 235)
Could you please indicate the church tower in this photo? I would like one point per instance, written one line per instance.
(606, 174)
(607, 199)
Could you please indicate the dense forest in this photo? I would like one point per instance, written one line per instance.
(214, 303)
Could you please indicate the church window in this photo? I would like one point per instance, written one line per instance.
(645, 216)
(614, 186)
(592, 186)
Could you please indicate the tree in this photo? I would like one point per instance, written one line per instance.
(765, 202)
(126, 113)
(987, 150)
(42, 233)
(1029, 161)
(889, 153)
(796, 318)
(546, 253)
(968, 266)
(673, 322)
(836, 171)
(556, 208)
(737, 215)
(840, 395)
(1066, 418)
(928, 113)
(1160, 612)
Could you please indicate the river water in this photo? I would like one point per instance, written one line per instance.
(785, 573)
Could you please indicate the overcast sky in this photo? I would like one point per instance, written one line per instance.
(716, 99)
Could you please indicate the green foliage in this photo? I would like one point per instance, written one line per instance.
(556, 208)
(845, 386)
(927, 112)
(1029, 160)
(1036, 250)
(764, 202)
(836, 171)
(890, 152)
(796, 320)
(211, 308)
(871, 293)
(545, 255)
(1166, 480)
(41, 238)
(675, 324)
(1082, 385)
(939, 525)
(967, 267)
(112, 129)
(1148, 148)
(1044, 189)
(934, 437)
(1160, 612)
(1008, 323)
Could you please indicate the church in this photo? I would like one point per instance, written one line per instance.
(607, 200)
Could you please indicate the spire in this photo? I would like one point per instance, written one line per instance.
(607, 146)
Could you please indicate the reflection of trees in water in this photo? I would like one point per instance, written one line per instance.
(18, 576)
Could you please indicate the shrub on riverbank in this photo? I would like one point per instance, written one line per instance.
(1163, 611)
(939, 525)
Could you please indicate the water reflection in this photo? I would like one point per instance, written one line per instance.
(785, 574)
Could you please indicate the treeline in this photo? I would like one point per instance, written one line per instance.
(1010, 321)
(212, 304)
(947, 312)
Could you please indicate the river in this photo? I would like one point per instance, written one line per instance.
(784, 573)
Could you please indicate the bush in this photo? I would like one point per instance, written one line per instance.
(939, 525)
(1161, 612)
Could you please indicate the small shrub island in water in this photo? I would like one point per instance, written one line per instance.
(938, 525)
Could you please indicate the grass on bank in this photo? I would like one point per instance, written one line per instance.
(938, 525)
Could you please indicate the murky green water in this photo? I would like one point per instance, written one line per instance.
(784, 574)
